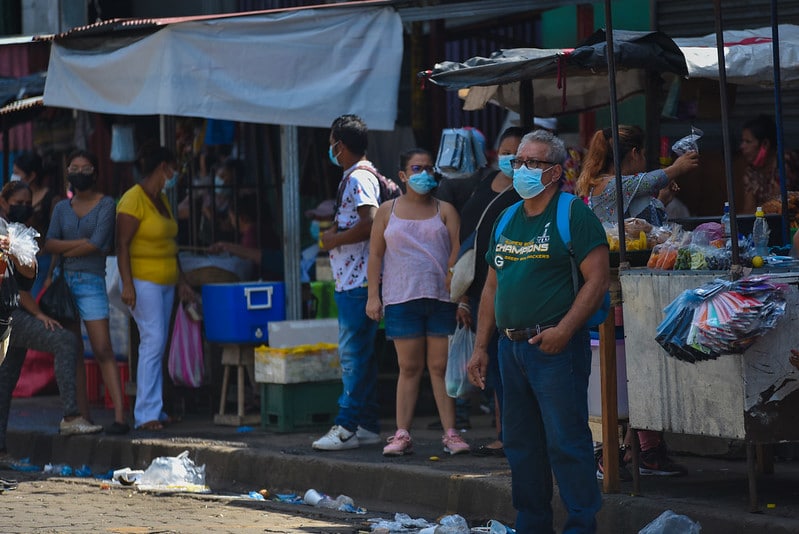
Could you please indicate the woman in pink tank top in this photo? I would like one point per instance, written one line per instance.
(413, 243)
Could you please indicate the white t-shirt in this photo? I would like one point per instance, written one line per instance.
(348, 262)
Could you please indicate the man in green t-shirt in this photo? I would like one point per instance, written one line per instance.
(544, 351)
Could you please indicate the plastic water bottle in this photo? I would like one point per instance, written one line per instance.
(725, 220)
(760, 233)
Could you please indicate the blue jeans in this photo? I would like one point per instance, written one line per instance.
(356, 349)
(545, 431)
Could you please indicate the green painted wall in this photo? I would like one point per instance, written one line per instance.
(559, 30)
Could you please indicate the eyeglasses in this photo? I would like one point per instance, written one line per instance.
(531, 164)
(86, 169)
(420, 168)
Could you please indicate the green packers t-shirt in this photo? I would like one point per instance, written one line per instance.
(534, 277)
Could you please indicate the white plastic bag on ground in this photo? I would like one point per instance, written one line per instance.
(670, 523)
(173, 473)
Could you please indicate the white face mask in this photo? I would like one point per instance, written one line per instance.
(15, 178)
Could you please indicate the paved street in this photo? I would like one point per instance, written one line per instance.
(60, 505)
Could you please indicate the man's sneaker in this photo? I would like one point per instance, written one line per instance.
(79, 425)
(398, 444)
(624, 474)
(655, 462)
(367, 437)
(337, 438)
(453, 443)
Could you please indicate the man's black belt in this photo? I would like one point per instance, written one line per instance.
(523, 334)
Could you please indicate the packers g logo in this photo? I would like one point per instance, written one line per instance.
(499, 261)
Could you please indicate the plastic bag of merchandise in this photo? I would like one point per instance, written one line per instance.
(670, 523)
(689, 143)
(174, 473)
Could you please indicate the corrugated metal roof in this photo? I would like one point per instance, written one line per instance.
(107, 27)
(25, 104)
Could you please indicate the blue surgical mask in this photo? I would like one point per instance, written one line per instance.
(332, 156)
(171, 182)
(422, 183)
(504, 165)
(527, 182)
(219, 183)
(314, 230)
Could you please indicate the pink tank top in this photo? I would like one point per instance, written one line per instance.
(415, 261)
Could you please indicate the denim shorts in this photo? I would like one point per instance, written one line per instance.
(420, 318)
(90, 294)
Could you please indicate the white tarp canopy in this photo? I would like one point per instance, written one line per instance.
(302, 68)
(747, 55)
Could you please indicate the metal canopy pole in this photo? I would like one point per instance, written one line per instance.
(614, 126)
(607, 330)
(290, 163)
(775, 49)
(735, 268)
(526, 104)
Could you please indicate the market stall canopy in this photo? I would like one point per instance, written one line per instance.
(13, 89)
(302, 67)
(564, 80)
(747, 54)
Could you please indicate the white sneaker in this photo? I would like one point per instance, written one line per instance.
(366, 437)
(79, 425)
(337, 438)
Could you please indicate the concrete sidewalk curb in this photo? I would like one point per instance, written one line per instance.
(413, 489)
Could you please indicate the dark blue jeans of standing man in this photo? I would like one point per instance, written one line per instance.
(545, 431)
(356, 349)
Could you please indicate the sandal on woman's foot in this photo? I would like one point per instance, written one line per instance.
(151, 425)
(116, 428)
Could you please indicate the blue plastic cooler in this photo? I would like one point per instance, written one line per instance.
(240, 312)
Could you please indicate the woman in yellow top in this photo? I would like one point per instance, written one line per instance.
(148, 268)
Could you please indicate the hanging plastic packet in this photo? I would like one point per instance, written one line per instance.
(689, 143)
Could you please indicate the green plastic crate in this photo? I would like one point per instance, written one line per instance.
(299, 407)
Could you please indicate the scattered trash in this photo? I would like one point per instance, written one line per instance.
(24, 464)
(452, 524)
(498, 528)
(58, 469)
(105, 486)
(264, 492)
(434, 458)
(244, 429)
(126, 476)
(342, 503)
(291, 498)
(670, 523)
(83, 471)
(173, 473)
(401, 523)
(771, 505)
(256, 495)
(108, 475)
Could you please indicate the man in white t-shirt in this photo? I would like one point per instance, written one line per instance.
(357, 200)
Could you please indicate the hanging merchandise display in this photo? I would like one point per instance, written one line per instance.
(720, 317)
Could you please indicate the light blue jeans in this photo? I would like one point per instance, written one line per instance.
(356, 349)
(545, 431)
(152, 314)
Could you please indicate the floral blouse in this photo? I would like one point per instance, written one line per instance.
(636, 186)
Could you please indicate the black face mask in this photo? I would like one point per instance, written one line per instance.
(19, 213)
(80, 181)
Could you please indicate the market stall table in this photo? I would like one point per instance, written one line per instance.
(751, 396)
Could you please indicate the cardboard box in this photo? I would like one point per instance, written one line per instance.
(304, 363)
(283, 334)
